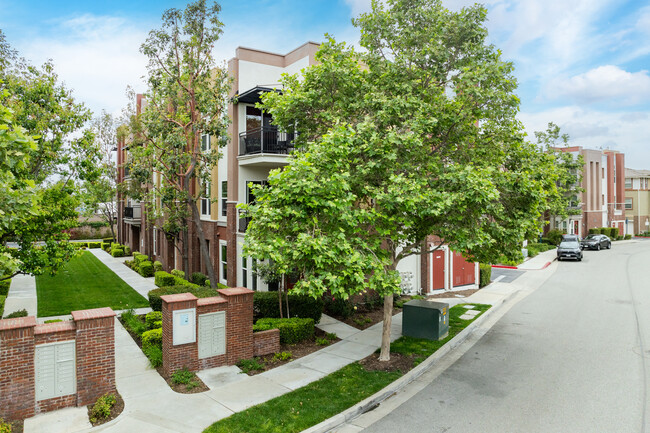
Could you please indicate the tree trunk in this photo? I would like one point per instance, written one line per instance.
(286, 294)
(205, 253)
(384, 354)
(186, 255)
(280, 300)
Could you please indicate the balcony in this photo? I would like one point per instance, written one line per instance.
(132, 215)
(264, 146)
(243, 221)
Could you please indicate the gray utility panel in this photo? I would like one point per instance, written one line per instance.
(425, 319)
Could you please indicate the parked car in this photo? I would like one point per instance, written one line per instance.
(569, 250)
(575, 238)
(596, 242)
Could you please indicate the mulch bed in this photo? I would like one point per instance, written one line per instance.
(297, 350)
(183, 388)
(458, 294)
(16, 426)
(116, 410)
(397, 362)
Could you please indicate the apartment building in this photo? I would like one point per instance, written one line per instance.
(637, 201)
(255, 147)
(602, 200)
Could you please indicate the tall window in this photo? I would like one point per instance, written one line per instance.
(155, 241)
(223, 260)
(205, 201)
(205, 142)
(244, 272)
(628, 203)
(628, 183)
(224, 197)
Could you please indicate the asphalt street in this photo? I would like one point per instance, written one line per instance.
(573, 356)
(505, 275)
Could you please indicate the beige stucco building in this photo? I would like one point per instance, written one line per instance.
(637, 200)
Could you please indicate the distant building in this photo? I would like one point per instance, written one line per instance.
(637, 201)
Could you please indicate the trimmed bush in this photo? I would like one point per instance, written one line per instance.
(545, 241)
(154, 353)
(102, 407)
(127, 251)
(152, 319)
(178, 273)
(2, 304)
(485, 274)
(4, 286)
(139, 258)
(156, 303)
(94, 244)
(607, 231)
(628, 236)
(292, 330)
(107, 240)
(198, 278)
(614, 232)
(146, 269)
(19, 313)
(338, 307)
(554, 236)
(265, 305)
(619, 238)
(157, 266)
(152, 337)
(163, 279)
(117, 252)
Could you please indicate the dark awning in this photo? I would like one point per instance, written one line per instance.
(252, 96)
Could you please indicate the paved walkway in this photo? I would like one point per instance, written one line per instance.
(22, 295)
(132, 278)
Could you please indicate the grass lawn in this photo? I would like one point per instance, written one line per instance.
(320, 400)
(84, 283)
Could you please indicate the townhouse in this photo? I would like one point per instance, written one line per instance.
(637, 201)
(254, 148)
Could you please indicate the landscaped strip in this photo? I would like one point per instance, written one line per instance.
(320, 400)
(85, 282)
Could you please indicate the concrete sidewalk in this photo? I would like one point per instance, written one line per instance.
(22, 295)
(139, 283)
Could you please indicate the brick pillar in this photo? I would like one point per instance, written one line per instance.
(17, 387)
(95, 353)
(239, 325)
(182, 355)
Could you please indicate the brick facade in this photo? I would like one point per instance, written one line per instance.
(266, 342)
(93, 333)
(240, 343)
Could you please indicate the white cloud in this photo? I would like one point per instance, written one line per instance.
(607, 83)
(358, 6)
(594, 129)
(97, 56)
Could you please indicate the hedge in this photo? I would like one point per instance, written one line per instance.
(139, 258)
(265, 305)
(198, 278)
(2, 304)
(117, 252)
(94, 244)
(157, 266)
(615, 232)
(152, 319)
(153, 337)
(292, 331)
(338, 307)
(485, 274)
(200, 292)
(4, 286)
(554, 236)
(178, 273)
(146, 269)
(163, 279)
(628, 236)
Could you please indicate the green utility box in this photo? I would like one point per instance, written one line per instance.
(425, 319)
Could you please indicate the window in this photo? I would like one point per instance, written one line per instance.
(223, 260)
(205, 201)
(224, 198)
(628, 203)
(244, 272)
(255, 274)
(628, 183)
(155, 241)
(205, 142)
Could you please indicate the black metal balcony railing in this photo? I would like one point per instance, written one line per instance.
(266, 139)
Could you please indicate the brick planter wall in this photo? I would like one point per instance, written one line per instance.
(266, 342)
(236, 302)
(93, 333)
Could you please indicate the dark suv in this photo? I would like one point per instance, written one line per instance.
(569, 249)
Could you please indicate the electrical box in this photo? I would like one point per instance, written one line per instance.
(425, 319)
(184, 326)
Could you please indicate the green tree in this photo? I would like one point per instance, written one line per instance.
(415, 136)
(187, 99)
(42, 125)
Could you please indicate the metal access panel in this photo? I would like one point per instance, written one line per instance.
(55, 370)
(425, 319)
(184, 326)
(212, 334)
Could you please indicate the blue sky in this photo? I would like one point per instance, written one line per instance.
(582, 64)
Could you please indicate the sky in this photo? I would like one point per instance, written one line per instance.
(582, 64)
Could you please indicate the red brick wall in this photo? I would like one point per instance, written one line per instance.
(17, 368)
(266, 342)
(95, 353)
(239, 326)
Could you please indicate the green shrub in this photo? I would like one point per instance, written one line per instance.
(19, 313)
(554, 236)
(252, 364)
(607, 231)
(198, 278)
(102, 407)
(152, 337)
(53, 321)
(131, 264)
(146, 269)
(292, 330)
(265, 304)
(127, 250)
(338, 307)
(614, 232)
(2, 304)
(323, 341)
(117, 252)
(5, 427)
(4, 286)
(628, 236)
(185, 377)
(108, 240)
(163, 279)
(545, 241)
(157, 266)
(133, 323)
(94, 244)
(151, 319)
(178, 273)
(156, 303)
(154, 353)
(619, 238)
(106, 246)
(139, 258)
(283, 356)
(485, 274)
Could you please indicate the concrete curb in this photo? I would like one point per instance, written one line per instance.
(375, 399)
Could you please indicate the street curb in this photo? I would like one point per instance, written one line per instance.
(374, 400)
(504, 267)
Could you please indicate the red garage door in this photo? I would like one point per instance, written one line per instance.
(464, 271)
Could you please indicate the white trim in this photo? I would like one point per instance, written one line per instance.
(223, 261)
